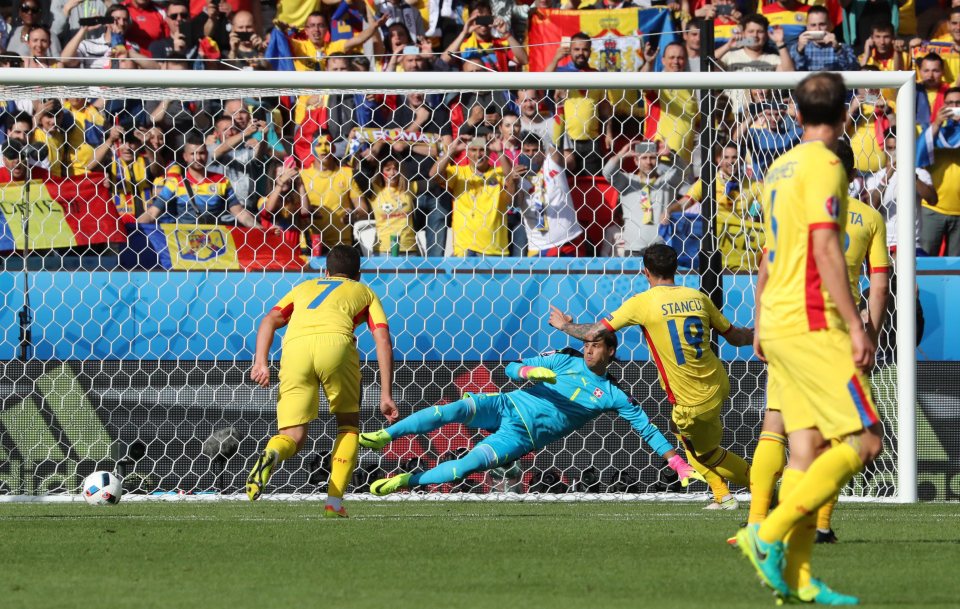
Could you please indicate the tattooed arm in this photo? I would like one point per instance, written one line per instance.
(563, 322)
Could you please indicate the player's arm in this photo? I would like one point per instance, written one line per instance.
(762, 274)
(377, 321)
(275, 319)
(878, 262)
(736, 336)
(533, 369)
(655, 439)
(832, 268)
(563, 322)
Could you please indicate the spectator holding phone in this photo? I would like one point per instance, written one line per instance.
(493, 52)
(938, 151)
(99, 52)
(747, 51)
(68, 13)
(726, 19)
(817, 49)
(646, 194)
(245, 42)
(285, 206)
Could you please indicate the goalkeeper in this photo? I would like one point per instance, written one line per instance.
(568, 391)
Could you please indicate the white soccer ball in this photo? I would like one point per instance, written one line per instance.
(102, 488)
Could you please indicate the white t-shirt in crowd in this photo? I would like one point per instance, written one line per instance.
(554, 221)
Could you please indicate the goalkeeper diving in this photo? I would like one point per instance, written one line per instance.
(567, 391)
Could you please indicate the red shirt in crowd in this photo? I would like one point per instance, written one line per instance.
(146, 24)
(198, 6)
(37, 173)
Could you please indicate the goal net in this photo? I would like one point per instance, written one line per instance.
(146, 229)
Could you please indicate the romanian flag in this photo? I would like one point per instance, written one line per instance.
(619, 35)
(61, 212)
(209, 247)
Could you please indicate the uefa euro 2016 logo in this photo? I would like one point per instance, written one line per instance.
(201, 244)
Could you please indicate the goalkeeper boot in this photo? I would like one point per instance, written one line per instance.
(385, 486)
(819, 593)
(727, 503)
(827, 536)
(260, 474)
(766, 558)
(330, 512)
(375, 440)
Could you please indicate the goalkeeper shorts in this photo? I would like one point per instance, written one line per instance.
(812, 381)
(310, 362)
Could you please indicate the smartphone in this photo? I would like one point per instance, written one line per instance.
(261, 114)
(725, 9)
(484, 20)
(524, 160)
(244, 36)
(95, 21)
(871, 99)
(955, 112)
(565, 42)
(747, 42)
(645, 147)
(816, 35)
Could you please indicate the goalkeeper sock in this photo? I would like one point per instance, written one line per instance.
(718, 487)
(285, 446)
(769, 459)
(429, 419)
(826, 476)
(799, 548)
(480, 458)
(825, 513)
(730, 466)
(343, 460)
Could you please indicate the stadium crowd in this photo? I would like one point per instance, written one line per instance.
(520, 172)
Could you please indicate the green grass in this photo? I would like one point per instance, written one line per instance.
(463, 555)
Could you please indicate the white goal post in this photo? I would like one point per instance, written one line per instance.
(149, 84)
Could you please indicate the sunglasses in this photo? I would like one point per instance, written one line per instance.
(26, 8)
(177, 16)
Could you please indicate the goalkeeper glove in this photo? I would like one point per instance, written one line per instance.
(538, 373)
(684, 470)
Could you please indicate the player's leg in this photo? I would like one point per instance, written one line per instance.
(769, 459)
(297, 404)
(473, 410)
(702, 431)
(505, 445)
(338, 366)
(722, 498)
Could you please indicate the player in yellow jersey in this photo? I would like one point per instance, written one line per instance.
(676, 323)
(319, 350)
(865, 240)
(813, 340)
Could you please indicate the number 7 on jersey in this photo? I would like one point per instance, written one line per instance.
(326, 287)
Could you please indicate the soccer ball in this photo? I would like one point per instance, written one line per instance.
(102, 488)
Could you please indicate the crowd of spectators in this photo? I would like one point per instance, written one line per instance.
(492, 173)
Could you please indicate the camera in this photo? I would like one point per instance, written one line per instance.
(484, 20)
(95, 21)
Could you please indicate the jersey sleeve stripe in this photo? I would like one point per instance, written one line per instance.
(286, 311)
(375, 326)
(813, 298)
(660, 369)
(824, 225)
(606, 324)
(880, 269)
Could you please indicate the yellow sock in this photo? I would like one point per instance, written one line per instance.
(343, 460)
(284, 445)
(798, 551)
(825, 513)
(730, 466)
(826, 476)
(769, 459)
(718, 487)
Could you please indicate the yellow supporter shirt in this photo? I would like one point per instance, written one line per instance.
(868, 154)
(295, 12)
(946, 49)
(738, 200)
(581, 114)
(331, 195)
(479, 210)
(676, 324)
(313, 57)
(330, 305)
(805, 190)
(78, 153)
(945, 172)
(55, 142)
(393, 211)
(678, 108)
(887, 65)
(865, 241)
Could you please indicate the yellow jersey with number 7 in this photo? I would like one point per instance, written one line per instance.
(805, 190)
(330, 305)
(676, 322)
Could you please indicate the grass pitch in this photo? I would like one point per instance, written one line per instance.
(463, 555)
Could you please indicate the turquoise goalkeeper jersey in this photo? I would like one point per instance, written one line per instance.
(551, 411)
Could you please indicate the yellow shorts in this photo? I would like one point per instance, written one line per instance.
(812, 381)
(309, 362)
(699, 427)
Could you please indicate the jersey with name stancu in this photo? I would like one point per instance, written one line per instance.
(805, 190)
(676, 322)
(865, 240)
(330, 305)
